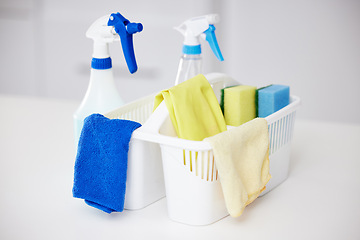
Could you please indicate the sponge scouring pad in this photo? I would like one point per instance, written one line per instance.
(222, 97)
(239, 104)
(271, 99)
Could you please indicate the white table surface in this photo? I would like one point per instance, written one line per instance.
(319, 200)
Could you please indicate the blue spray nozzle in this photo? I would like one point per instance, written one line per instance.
(202, 26)
(126, 29)
(132, 28)
(210, 37)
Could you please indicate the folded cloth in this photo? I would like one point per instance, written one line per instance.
(101, 162)
(193, 108)
(242, 159)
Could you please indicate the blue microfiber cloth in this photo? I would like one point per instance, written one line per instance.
(101, 162)
(271, 99)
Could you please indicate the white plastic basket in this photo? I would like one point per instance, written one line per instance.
(193, 191)
(145, 181)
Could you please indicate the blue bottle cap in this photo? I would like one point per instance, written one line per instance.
(192, 50)
(101, 63)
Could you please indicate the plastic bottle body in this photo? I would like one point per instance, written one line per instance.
(190, 65)
(101, 97)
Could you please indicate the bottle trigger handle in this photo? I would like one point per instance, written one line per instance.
(126, 29)
(210, 37)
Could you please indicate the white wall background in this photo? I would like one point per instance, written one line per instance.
(311, 45)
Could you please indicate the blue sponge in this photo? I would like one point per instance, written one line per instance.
(271, 99)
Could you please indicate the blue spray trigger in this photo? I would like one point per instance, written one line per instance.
(211, 39)
(126, 29)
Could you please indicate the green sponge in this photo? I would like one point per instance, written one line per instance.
(222, 97)
(239, 104)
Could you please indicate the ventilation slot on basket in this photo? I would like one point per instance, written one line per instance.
(280, 132)
(140, 113)
(201, 164)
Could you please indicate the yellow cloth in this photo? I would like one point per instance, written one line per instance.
(242, 159)
(193, 109)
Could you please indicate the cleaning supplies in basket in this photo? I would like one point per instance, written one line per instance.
(193, 109)
(101, 162)
(242, 158)
(242, 103)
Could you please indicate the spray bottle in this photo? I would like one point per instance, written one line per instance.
(102, 95)
(192, 29)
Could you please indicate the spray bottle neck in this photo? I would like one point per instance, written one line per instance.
(101, 49)
(101, 59)
(192, 56)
